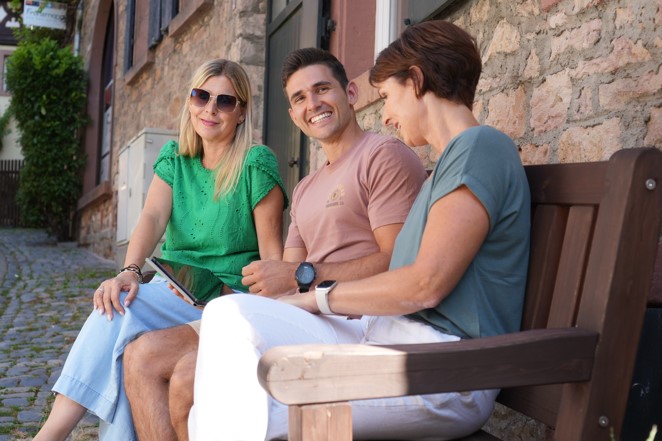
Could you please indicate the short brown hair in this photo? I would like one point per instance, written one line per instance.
(446, 54)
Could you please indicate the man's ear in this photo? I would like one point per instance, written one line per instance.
(289, 110)
(416, 75)
(352, 93)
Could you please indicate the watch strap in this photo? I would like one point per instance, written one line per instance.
(322, 298)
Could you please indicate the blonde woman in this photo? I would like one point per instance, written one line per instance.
(219, 199)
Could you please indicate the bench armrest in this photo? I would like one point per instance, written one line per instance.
(305, 374)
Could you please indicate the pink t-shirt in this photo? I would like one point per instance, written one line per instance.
(336, 208)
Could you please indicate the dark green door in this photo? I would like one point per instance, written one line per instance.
(293, 24)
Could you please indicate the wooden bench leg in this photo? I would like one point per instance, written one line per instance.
(320, 422)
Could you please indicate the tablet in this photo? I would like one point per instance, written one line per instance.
(196, 284)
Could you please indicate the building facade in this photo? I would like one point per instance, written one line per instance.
(568, 80)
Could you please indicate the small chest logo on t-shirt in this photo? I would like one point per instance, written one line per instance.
(336, 197)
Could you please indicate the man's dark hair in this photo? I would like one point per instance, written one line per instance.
(309, 56)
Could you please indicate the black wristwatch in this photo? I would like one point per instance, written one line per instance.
(305, 276)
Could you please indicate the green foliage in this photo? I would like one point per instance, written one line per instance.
(4, 124)
(34, 35)
(48, 85)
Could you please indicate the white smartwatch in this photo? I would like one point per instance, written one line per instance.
(322, 291)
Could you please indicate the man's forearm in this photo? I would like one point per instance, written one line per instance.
(352, 269)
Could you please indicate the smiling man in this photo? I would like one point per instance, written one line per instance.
(346, 214)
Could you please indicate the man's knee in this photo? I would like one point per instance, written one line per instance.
(139, 354)
(181, 382)
(155, 353)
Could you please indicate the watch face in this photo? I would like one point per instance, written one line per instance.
(305, 273)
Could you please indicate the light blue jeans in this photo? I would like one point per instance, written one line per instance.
(93, 372)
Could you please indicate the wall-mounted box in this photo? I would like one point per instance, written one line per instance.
(135, 174)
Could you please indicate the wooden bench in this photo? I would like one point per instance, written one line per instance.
(595, 230)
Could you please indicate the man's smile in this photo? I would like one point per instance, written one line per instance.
(317, 118)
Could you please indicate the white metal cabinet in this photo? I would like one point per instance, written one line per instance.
(135, 174)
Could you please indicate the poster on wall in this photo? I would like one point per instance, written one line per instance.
(46, 14)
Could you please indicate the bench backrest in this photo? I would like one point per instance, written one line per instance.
(589, 237)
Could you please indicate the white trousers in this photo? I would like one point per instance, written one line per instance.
(230, 404)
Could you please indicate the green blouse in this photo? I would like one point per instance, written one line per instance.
(216, 234)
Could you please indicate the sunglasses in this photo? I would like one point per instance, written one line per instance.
(224, 103)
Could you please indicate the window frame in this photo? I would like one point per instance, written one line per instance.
(4, 56)
(150, 24)
(392, 16)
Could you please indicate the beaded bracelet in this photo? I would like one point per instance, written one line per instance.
(134, 269)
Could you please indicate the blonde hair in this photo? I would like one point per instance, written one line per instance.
(190, 144)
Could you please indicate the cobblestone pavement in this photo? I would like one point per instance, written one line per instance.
(45, 296)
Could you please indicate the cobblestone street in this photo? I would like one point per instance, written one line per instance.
(45, 296)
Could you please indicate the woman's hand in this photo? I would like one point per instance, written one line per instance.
(176, 292)
(308, 302)
(303, 300)
(107, 296)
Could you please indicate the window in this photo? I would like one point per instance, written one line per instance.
(393, 15)
(147, 22)
(3, 57)
(106, 102)
(136, 50)
(161, 12)
(421, 10)
(9, 20)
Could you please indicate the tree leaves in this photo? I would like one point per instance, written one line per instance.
(48, 86)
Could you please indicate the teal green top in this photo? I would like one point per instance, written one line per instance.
(218, 234)
(489, 298)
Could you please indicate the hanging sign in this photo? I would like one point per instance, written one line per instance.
(45, 14)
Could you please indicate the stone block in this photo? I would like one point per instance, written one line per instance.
(579, 39)
(534, 154)
(507, 112)
(625, 52)
(550, 103)
(597, 143)
(620, 93)
(29, 416)
(654, 128)
(9, 402)
(506, 39)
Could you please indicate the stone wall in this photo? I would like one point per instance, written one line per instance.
(568, 80)
(155, 96)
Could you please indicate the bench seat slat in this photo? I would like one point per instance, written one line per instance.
(572, 266)
(547, 231)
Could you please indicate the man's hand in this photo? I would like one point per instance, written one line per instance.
(269, 278)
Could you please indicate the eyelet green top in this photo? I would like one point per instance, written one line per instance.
(218, 234)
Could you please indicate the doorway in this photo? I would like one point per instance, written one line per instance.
(292, 24)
